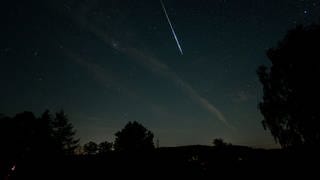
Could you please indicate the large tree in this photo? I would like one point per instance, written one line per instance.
(63, 134)
(134, 137)
(290, 104)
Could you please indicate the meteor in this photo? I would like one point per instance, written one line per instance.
(172, 30)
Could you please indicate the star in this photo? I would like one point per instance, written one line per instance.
(115, 45)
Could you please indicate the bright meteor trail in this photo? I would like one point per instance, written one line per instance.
(172, 30)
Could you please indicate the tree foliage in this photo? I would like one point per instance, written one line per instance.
(105, 147)
(26, 135)
(134, 137)
(291, 88)
(219, 142)
(63, 133)
(20, 134)
(90, 148)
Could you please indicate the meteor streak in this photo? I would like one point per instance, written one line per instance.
(172, 30)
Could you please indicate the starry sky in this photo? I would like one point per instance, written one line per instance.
(107, 62)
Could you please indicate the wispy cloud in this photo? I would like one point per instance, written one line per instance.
(106, 78)
(150, 63)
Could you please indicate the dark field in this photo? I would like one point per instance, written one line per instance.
(181, 162)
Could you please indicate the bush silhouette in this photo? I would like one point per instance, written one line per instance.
(218, 142)
(134, 137)
(105, 147)
(90, 148)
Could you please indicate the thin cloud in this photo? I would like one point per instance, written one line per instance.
(152, 64)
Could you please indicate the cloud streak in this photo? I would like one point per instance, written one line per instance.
(150, 63)
(161, 69)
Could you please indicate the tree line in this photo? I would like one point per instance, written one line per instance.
(25, 134)
(133, 137)
(53, 134)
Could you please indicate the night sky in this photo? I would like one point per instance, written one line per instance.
(107, 62)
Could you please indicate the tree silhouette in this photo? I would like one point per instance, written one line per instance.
(218, 142)
(90, 148)
(25, 135)
(63, 133)
(291, 89)
(25, 138)
(10, 138)
(21, 135)
(47, 140)
(105, 147)
(134, 137)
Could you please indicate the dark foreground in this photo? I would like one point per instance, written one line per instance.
(193, 162)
